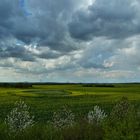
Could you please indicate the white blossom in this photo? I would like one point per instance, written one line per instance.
(63, 118)
(19, 118)
(97, 115)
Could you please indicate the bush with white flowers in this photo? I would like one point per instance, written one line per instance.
(97, 115)
(63, 118)
(19, 118)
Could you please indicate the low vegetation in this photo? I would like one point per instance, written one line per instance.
(70, 112)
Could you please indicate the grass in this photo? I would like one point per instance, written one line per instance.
(45, 99)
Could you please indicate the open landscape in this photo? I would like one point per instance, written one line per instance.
(69, 69)
(46, 99)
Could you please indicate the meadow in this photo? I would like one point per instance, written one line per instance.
(44, 100)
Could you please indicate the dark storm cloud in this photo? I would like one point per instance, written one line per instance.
(16, 52)
(45, 26)
(110, 18)
(48, 55)
(5, 14)
(9, 47)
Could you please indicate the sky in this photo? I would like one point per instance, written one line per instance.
(70, 41)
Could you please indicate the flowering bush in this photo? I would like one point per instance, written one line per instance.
(123, 122)
(122, 110)
(96, 116)
(63, 118)
(19, 118)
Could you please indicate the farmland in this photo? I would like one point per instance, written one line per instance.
(44, 100)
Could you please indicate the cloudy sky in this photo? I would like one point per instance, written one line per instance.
(70, 40)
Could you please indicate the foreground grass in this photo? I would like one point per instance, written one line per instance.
(42, 132)
(81, 131)
(122, 123)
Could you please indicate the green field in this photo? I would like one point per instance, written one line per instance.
(45, 99)
(122, 121)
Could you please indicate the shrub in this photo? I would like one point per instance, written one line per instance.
(63, 118)
(96, 116)
(19, 118)
(82, 130)
(122, 110)
(122, 123)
